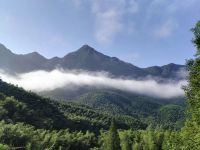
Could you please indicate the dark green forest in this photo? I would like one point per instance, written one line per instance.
(31, 122)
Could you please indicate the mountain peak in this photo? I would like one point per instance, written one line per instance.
(2, 46)
(87, 48)
(4, 50)
(85, 52)
(35, 56)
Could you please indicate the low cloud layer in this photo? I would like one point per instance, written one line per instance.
(39, 81)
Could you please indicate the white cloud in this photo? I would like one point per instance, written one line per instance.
(108, 25)
(182, 73)
(112, 17)
(108, 16)
(162, 10)
(166, 29)
(45, 81)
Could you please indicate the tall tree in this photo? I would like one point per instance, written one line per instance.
(113, 140)
(191, 132)
(193, 89)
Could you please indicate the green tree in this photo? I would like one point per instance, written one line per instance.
(4, 147)
(112, 141)
(126, 143)
(191, 132)
(193, 89)
(196, 40)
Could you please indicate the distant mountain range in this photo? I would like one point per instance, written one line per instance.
(85, 58)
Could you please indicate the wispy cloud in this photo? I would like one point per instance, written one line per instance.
(112, 18)
(166, 29)
(108, 25)
(46, 81)
(108, 16)
(163, 15)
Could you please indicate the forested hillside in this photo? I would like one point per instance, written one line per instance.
(30, 121)
(21, 106)
(165, 112)
(23, 111)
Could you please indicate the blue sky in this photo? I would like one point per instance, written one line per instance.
(143, 32)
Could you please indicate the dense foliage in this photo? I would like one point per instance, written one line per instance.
(26, 115)
(17, 105)
(37, 111)
(111, 141)
(148, 109)
(20, 136)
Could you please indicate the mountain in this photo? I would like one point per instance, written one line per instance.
(85, 58)
(138, 106)
(117, 102)
(14, 63)
(168, 71)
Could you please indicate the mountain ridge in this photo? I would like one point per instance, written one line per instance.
(56, 57)
(85, 58)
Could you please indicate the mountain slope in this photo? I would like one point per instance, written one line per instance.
(39, 111)
(87, 58)
(17, 105)
(168, 71)
(137, 106)
(14, 63)
(116, 102)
